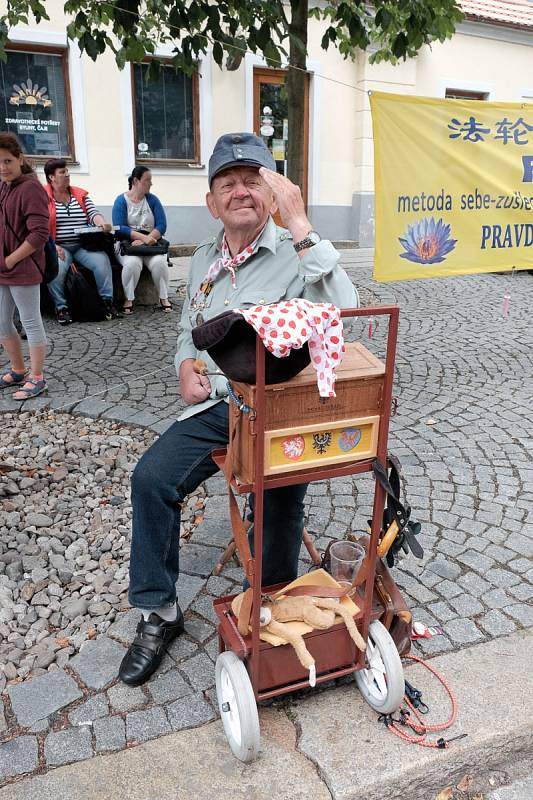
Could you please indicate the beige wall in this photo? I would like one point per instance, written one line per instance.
(506, 67)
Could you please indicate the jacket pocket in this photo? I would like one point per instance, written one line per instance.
(262, 296)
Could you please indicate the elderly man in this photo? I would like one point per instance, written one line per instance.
(251, 262)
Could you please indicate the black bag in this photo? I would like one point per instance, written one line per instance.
(84, 302)
(51, 261)
(94, 239)
(158, 249)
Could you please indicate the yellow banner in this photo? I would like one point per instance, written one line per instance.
(454, 186)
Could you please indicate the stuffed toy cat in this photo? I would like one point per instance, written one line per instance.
(317, 612)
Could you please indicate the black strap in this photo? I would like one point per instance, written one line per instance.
(408, 530)
(391, 485)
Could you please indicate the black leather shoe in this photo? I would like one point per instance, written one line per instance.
(148, 648)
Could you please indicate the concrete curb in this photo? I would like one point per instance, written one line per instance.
(336, 749)
(492, 685)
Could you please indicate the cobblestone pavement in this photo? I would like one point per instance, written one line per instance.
(465, 386)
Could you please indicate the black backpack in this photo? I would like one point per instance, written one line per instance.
(84, 302)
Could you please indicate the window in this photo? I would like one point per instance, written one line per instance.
(166, 116)
(35, 101)
(464, 94)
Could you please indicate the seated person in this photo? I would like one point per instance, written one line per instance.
(251, 262)
(142, 219)
(71, 207)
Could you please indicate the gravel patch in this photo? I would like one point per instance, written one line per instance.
(65, 528)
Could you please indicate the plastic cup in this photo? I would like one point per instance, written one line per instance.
(346, 559)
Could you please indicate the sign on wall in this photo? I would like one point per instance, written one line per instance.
(454, 186)
(33, 102)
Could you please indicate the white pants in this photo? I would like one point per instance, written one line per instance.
(131, 272)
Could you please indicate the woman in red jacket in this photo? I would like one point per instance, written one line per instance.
(23, 234)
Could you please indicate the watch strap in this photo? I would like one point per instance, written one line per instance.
(307, 241)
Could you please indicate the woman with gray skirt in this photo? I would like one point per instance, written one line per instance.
(23, 235)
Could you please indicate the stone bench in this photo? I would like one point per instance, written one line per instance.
(146, 293)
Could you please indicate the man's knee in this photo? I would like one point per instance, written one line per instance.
(144, 479)
(284, 504)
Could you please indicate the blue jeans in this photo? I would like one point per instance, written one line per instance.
(97, 262)
(171, 469)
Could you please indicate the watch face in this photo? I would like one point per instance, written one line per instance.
(314, 237)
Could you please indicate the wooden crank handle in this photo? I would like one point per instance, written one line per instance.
(390, 535)
(200, 367)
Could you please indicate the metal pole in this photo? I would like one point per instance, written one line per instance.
(258, 489)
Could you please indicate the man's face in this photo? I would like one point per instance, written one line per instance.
(241, 199)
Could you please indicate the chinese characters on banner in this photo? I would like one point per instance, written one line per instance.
(454, 186)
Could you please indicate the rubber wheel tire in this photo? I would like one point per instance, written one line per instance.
(237, 706)
(383, 684)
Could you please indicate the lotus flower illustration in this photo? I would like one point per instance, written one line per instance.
(427, 241)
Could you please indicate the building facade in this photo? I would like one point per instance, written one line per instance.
(104, 121)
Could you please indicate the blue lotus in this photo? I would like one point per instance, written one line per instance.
(427, 241)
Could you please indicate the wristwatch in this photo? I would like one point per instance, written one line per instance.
(309, 240)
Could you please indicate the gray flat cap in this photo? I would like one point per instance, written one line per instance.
(239, 150)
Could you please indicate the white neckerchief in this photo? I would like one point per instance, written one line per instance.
(230, 263)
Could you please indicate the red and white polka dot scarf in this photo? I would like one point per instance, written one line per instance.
(230, 263)
(291, 323)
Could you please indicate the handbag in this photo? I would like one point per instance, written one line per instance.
(51, 261)
(158, 249)
(94, 239)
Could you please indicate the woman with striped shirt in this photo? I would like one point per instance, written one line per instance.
(70, 208)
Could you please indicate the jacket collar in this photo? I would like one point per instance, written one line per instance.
(267, 238)
(75, 191)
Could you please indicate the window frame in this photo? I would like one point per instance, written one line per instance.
(169, 162)
(55, 50)
(457, 93)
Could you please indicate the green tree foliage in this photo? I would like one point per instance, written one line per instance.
(133, 29)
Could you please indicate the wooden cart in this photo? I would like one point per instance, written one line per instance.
(248, 669)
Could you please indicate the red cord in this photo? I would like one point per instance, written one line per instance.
(420, 727)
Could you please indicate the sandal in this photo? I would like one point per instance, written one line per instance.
(16, 378)
(127, 310)
(31, 388)
(165, 305)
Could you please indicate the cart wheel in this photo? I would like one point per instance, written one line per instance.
(237, 706)
(382, 684)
